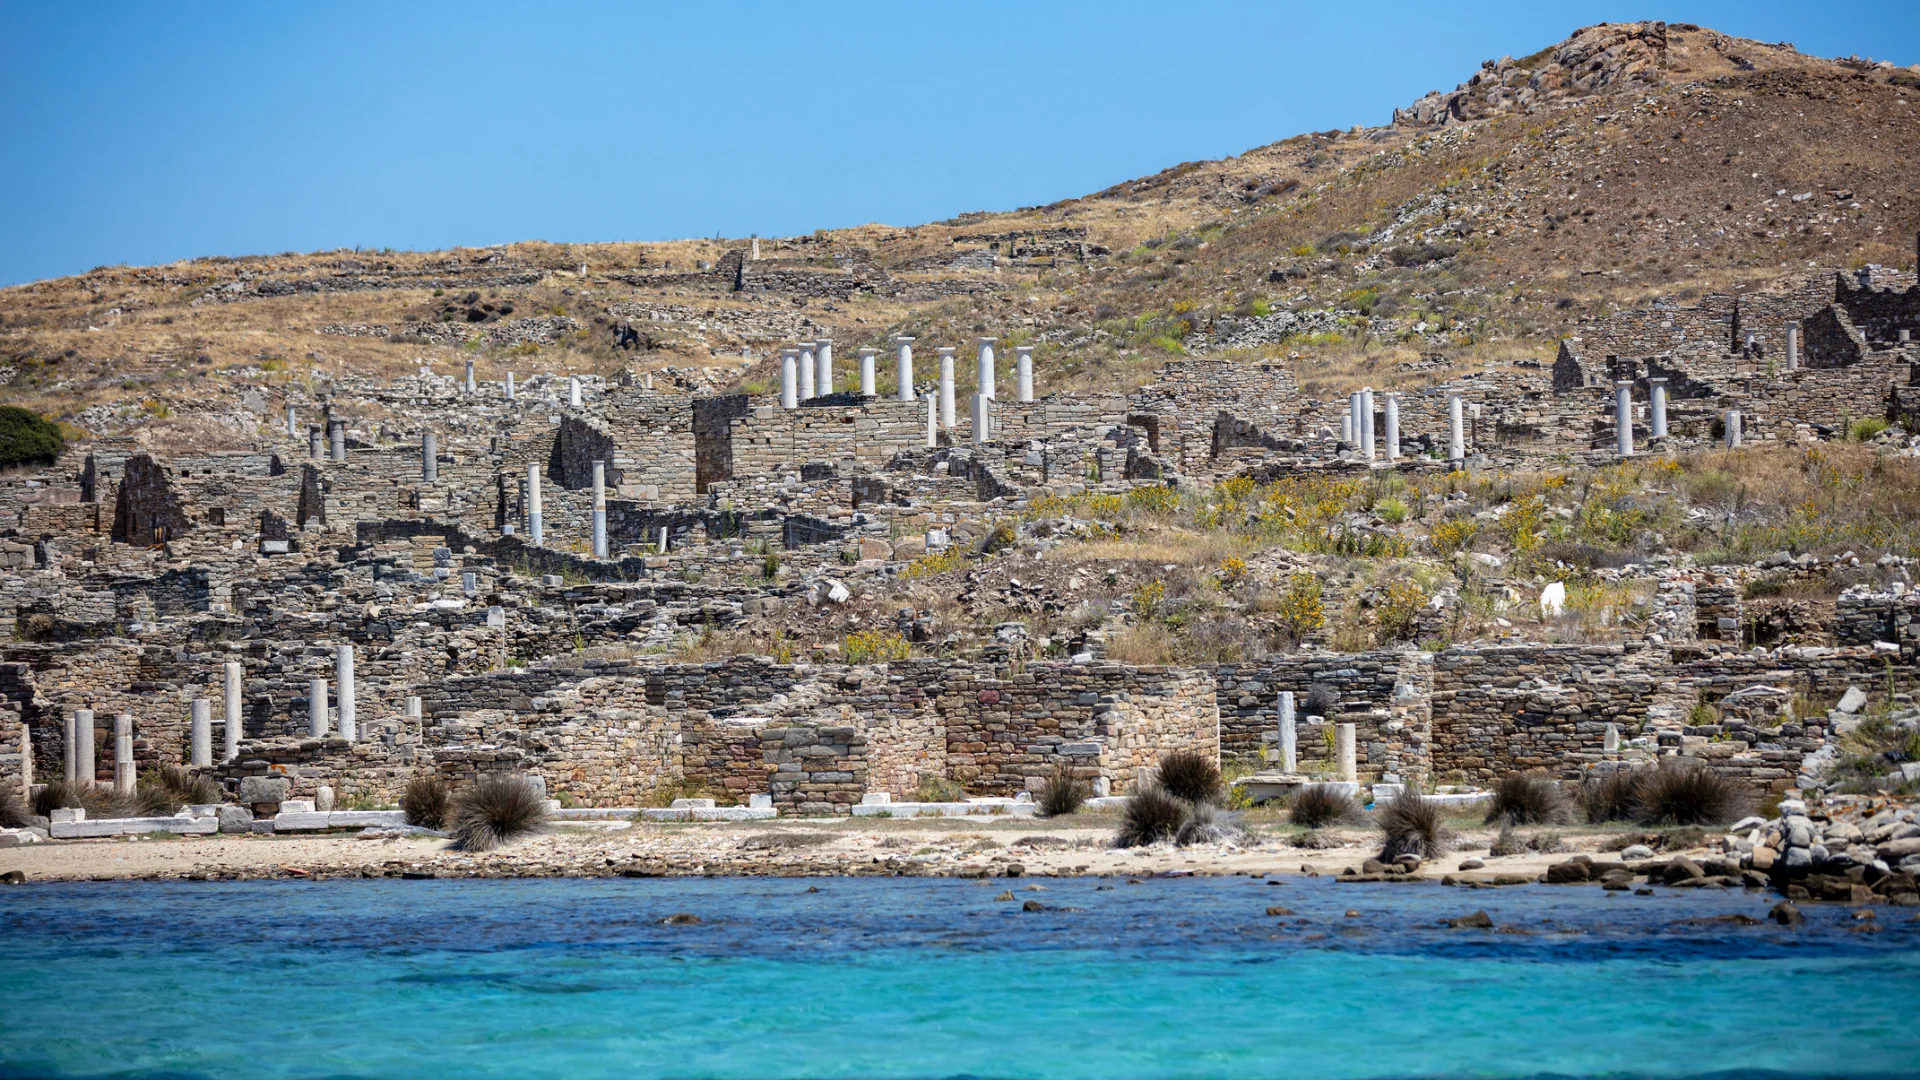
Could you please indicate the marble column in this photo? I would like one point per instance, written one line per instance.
(508, 386)
(982, 421)
(84, 766)
(1343, 752)
(1346, 428)
(807, 389)
(946, 387)
(866, 370)
(1456, 431)
(789, 379)
(343, 687)
(933, 420)
(573, 391)
(292, 429)
(125, 778)
(1023, 372)
(26, 762)
(339, 440)
(230, 713)
(1793, 346)
(69, 749)
(471, 385)
(1393, 427)
(823, 359)
(314, 439)
(1623, 417)
(1735, 422)
(599, 509)
(429, 458)
(1657, 397)
(317, 708)
(903, 367)
(535, 535)
(1366, 423)
(201, 735)
(984, 376)
(1288, 736)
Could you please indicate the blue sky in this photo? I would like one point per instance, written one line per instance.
(143, 133)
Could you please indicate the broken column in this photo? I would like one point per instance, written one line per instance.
(1353, 428)
(1623, 417)
(339, 440)
(1393, 427)
(903, 367)
(343, 681)
(933, 421)
(534, 532)
(124, 776)
(508, 386)
(984, 376)
(823, 359)
(1023, 372)
(1346, 427)
(1734, 423)
(573, 391)
(1657, 395)
(1289, 761)
(201, 735)
(291, 428)
(429, 457)
(1456, 431)
(946, 387)
(83, 736)
(866, 370)
(317, 708)
(599, 509)
(313, 440)
(1343, 752)
(1793, 346)
(69, 769)
(807, 388)
(981, 419)
(230, 717)
(471, 386)
(789, 379)
(26, 762)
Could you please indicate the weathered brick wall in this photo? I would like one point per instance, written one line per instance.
(1545, 708)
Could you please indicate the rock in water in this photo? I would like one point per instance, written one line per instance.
(1479, 920)
(1786, 914)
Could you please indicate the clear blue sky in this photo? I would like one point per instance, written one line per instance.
(147, 132)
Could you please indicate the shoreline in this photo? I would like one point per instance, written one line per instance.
(963, 848)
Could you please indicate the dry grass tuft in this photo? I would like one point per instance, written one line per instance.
(497, 809)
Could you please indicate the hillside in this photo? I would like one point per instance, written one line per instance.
(1629, 161)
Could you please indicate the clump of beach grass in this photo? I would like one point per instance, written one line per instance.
(1152, 815)
(1413, 826)
(426, 801)
(1529, 799)
(1192, 776)
(1063, 793)
(497, 809)
(1317, 806)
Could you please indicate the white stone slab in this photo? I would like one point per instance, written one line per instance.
(970, 808)
(714, 813)
(78, 830)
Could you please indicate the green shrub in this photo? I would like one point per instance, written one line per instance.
(1863, 430)
(28, 438)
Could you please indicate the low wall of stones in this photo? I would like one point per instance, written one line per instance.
(1504, 710)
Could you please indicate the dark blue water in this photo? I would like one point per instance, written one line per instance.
(935, 978)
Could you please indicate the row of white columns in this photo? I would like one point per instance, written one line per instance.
(1657, 409)
(79, 763)
(806, 372)
(1344, 743)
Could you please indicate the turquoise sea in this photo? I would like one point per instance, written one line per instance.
(914, 977)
